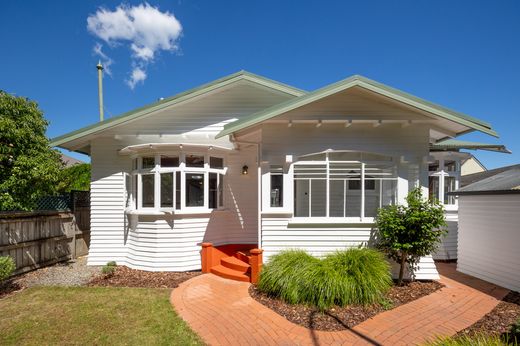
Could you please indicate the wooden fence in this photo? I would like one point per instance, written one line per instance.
(38, 239)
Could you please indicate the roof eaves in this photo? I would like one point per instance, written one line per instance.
(183, 96)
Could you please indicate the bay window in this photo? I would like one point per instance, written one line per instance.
(179, 182)
(343, 185)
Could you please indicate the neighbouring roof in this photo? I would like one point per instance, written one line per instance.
(360, 81)
(505, 182)
(455, 144)
(466, 180)
(70, 161)
(184, 96)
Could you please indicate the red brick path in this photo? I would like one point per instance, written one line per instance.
(222, 313)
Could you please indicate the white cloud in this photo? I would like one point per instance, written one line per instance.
(144, 28)
(105, 59)
(138, 76)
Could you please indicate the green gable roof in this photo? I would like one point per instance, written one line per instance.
(139, 112)
(454, 144)
(366, 83)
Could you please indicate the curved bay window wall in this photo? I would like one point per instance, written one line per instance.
(444, 176)
(351, 185)
(176, 182)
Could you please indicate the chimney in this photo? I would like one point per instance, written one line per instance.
(100, 90)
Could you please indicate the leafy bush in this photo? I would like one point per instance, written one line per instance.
(110, 268)
(353, 276)
(406, 233)
(7, 267)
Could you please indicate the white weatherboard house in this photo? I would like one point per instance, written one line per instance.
(246, 162)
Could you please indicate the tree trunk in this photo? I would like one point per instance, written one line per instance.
(401, 269)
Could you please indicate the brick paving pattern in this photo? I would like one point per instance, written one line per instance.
(222, 313)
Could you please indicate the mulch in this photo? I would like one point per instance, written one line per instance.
(499, 320)
(341, 318)
(10, 287)
(126, 277)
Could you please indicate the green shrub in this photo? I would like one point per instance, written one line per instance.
(109, 268)
(7, 267)
(353, 276)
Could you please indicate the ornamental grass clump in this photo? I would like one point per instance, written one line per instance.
(353, 276)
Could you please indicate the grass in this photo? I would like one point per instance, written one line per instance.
(479, 340)
(353, 276)
(92, 315)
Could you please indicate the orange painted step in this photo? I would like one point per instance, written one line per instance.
(231, 274)
(243, 255)
(235, 264)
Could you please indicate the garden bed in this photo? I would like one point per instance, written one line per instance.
(340, 318)
(126, 277)
(499, 320)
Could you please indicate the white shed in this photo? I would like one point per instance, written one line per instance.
(489, 229)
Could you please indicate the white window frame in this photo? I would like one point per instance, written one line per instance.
(362, 166)
(183, 169)
(442, 173)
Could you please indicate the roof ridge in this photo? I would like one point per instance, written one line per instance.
(357, 80)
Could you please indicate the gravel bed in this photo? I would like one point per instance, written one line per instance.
(341, 318)
(71, 273)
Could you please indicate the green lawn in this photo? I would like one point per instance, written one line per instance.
(92, 315)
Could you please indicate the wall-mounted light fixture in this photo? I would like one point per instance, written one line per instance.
(245, 170)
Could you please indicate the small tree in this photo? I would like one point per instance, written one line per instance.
(76, 177)
(29, 168)
(408, 232)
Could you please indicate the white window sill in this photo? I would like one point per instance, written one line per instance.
(278, 211)
(173, 212)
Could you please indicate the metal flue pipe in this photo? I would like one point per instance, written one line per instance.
(100, 90)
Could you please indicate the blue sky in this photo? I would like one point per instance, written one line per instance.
(464, 55)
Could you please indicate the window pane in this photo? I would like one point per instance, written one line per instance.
(213, 190)
(371, 197)
(167, 190)
(136, 191)
(177, 190)
(148, 183)
(194, 190)
(128, 190)
(216, 162)
(318, 198)
(221, 190)
(433, 188)
(389, 192)
(450, 166)
(148, 162)
(337, 198)
(169, 161)
(276, 190)
(449, 186)
(433, 167)
(194, 160)
(301, 198)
